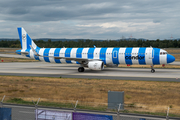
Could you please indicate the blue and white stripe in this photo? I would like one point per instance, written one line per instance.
(122, 55)
(129, 56)
(57, 54)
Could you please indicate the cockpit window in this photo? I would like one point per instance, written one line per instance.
(163, 53)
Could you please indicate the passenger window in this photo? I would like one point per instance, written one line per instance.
(160, 53)
(163, 53)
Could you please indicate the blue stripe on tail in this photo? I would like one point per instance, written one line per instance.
(29, 42)
(20, 35)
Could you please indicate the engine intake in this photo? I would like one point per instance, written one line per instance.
(96, 65)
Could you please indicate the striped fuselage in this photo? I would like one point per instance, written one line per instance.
(130, 55)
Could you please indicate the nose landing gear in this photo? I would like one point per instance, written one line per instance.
(152, 69)
(81, 69)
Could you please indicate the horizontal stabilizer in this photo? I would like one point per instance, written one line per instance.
(34, 51)
(23, 53)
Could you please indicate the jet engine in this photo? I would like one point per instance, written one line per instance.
(96, 65)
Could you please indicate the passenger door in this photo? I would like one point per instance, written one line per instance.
(151, 53)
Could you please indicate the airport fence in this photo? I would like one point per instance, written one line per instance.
(61, 115)
(42, 114)
(128, 107)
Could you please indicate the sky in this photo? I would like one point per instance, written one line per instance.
(91, 19)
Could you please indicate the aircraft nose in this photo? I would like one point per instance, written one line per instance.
(170, 58)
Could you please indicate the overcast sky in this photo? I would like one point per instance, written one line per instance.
(91, 19)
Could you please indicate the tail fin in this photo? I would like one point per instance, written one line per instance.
(25, 40)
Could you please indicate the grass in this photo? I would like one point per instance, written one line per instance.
(172, 50)
(141, 96)
(55, 104)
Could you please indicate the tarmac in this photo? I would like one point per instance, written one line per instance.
(42, 69)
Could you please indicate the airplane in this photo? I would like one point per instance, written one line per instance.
(94, 58)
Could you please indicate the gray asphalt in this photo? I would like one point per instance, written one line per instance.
(70, 71)
(23, 112)
(3, 54)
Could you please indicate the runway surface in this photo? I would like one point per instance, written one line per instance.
(27, 112)
(70, 71)
(2, 54)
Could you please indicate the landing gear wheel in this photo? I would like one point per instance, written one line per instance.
(152, 70)
(80, 69)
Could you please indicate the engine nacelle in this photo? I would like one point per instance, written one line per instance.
(111, 65)
(96, 65)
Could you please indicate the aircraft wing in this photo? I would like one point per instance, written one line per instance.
(80, 60)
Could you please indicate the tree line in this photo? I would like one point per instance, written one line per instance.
(98, 43)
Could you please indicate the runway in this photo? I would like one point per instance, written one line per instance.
(2, 54)
(42, 69)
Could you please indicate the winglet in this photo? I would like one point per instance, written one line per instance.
(34, 51)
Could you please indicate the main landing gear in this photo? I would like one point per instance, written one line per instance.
(81, 69)
(152, 69)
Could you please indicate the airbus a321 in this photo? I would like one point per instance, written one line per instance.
(94, 58)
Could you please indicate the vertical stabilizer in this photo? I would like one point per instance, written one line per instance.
(25, 40)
